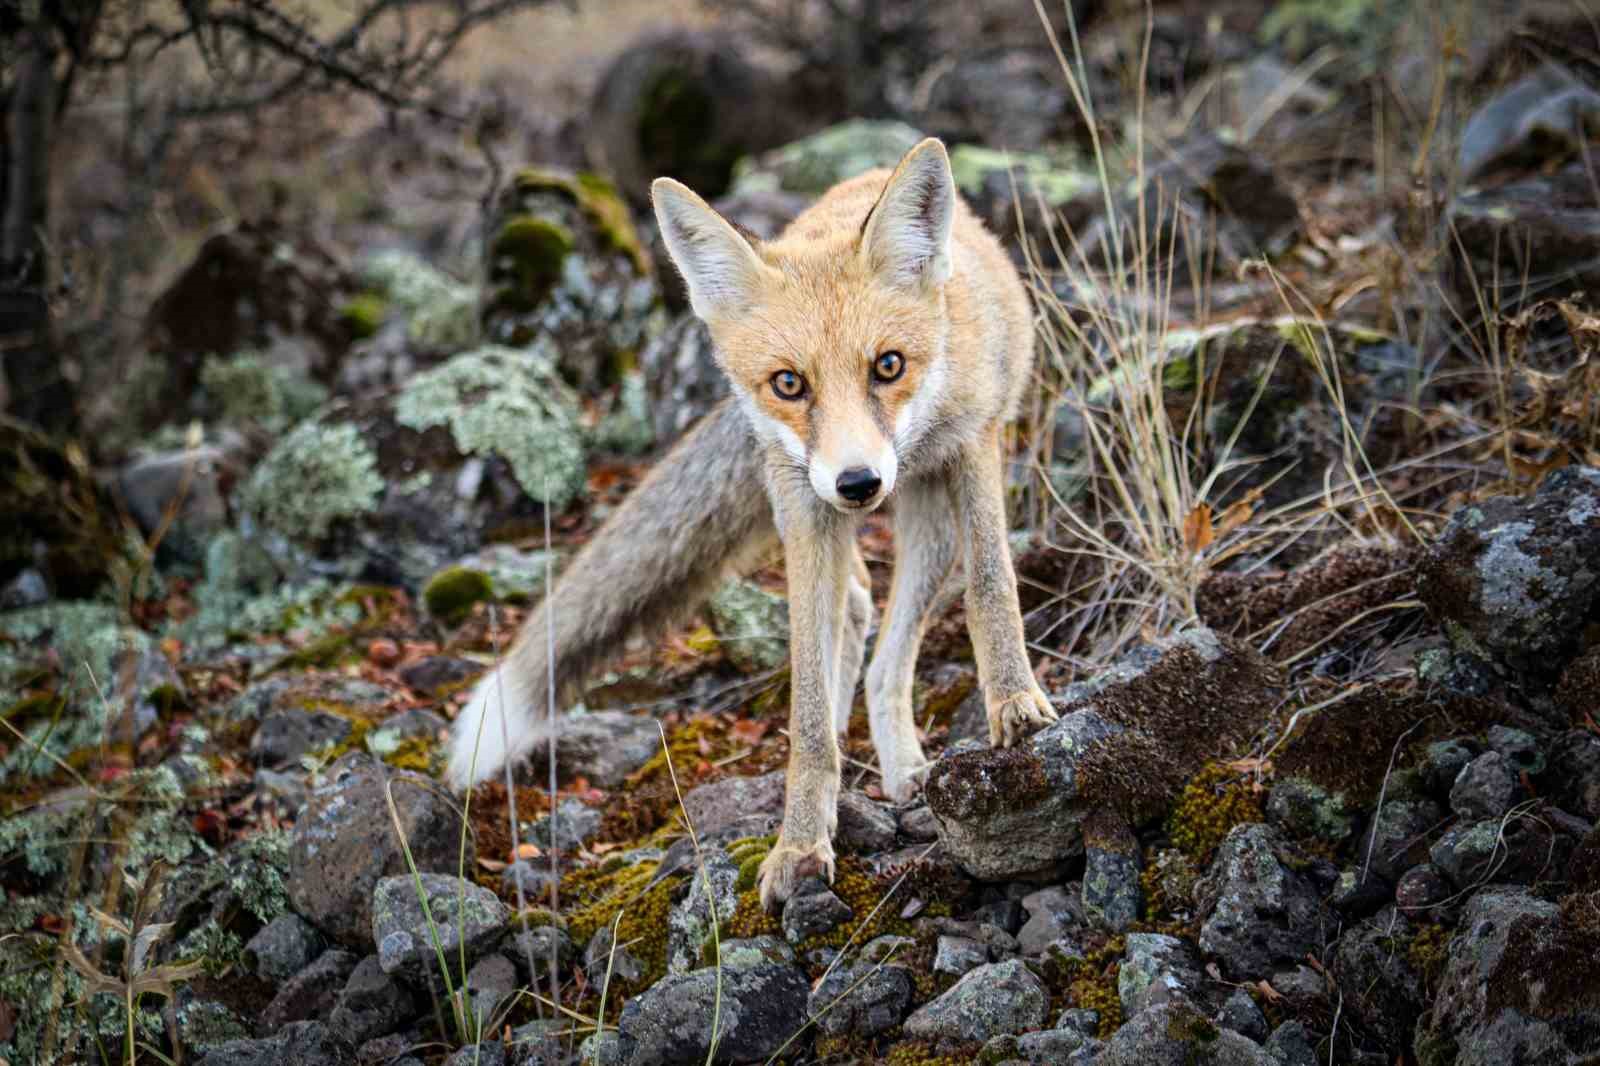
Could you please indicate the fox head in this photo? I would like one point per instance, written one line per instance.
(833, 337)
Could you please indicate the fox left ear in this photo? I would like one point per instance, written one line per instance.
(907, 236)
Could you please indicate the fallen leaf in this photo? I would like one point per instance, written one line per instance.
(494, 866)
(1197, 531)
(528, 851)
(1272, 994)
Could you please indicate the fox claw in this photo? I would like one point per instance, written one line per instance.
(1016, 716)
(901, 784)
(786, 865)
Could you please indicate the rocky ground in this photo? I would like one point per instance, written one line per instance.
(1328, 795)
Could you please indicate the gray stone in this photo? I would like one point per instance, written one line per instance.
(751, 624)
(1157, 969)
(531, 950)
(1111, 885)
(385, 738)
(373, 1004)
(467, 919)
(204, 1024)
(1397, 839)
(434, 674)
(864, 826)
(1574, 773)
(1544, 114)
(1053, 913)
(762, 1005)
(865, 999)
(488, 1053)
(1302, 809)
(710, 900)
(1486, 788)
(1240, 1013)
(918, 825)
(27, 589)
(282, 948)
(1002, 997)
(1290, 1045)
(603, 746)
(1522, 749)
(748, 803)
(1081, 1020)
(532, 877)
(304, 1043)
(608, 961)
(957, 955)
(311, 993)
(814, 912)
(1255, 910)
(344, 842)
(1048, 1047)
(1421, 888)
(1356, 896)
(1380, 988)
(1175, 1034)
(1442, 762)
(1006, 914)
(571, 825)
(180, 491)
(491, 984)
(285, 736)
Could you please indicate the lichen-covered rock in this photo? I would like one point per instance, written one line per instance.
(440, 317)
(1573, 780)
(465, 918)
(865, 999)
(958, 955)
(815, 164)
(865, 826)
(311, 993)
(1157, 969)
(1398, 836)
(682, 377)
(284, 736)
(571, 825)
(1002, 997)
(1442, 762)
(1519, 984)
(1175, 1034)
(490, 987)
(747, 802)
(1382, 991)
(373, 1004)
(1053, 913)
(1305, 809)
(282, 948)
(711, 900)
(751, 624)
(344, 842)
(563, 264)
(762, 1004)
(1256, 910)
(1513, 581)
(604, 746)
(1125, 741)
(305, 1043)
(1110, 873)
(812, 911)
(1513, 850)
(1485, 788)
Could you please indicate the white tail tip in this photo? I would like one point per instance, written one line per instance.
(496, 726)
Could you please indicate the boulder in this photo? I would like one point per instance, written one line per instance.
(467, 920)
(1002, 997)
(1256, 910)
(762, 1004)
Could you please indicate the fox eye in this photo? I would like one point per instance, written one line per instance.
(888, 366)
(788, 385)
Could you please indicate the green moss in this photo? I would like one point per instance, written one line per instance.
(509, 403)
(315, 477)
(451, 593)
(610, 890)
(599, 201)
(1211, 804)
(364, 314)
(535, 249)
(247, 390)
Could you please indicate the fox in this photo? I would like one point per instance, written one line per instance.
(875, 349)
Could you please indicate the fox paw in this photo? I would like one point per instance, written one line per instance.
(1016, 716)
(902, 782)
(786, 866)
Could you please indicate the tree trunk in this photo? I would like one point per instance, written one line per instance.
(38, 390)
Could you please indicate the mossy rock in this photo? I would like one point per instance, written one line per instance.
(451, 593)
(56, 513)
(816, 163)
(364, 314)
(563, 261)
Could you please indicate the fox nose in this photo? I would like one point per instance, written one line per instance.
(858, 484)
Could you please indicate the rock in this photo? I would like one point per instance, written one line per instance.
(1512, 580)
(1303, 809)
(1175, 1034)
(204, 1024)
(1513, 850)
(1579, 682)
(388, 736)
(919, 825)
(863, 1000)
(710, 901)
(307, 1043)
(1519, 984)
(817, 163)
(1398, 837)
(373, 1004)
(1442, 762)
(179, 492)
(1004, 914)
(1546, 113)
(1125, 741)
(563, 265)
(1421, 888)
(1356, 895)
(1486, 788)
(491, 984)
(516, 575)
(27, 588)
(533, 879)
(488, 1053)
(344, 842)
(958, 955)
(1081, 1020)
(753, 803)
(687, 104)
(1158, 969)
(762, 1004)
(1002, 997)
(1381, 989)
(685, 382)
(311, 993)
(284, 736)
(1291, 1045)
(1047, 1047)
(751, 624)
(600, 956)
(1052, 914)
(1255, 909)
(1522, 750)
(467, 919)
(431, 676)
(1574, 777)
(282, 948)
(570, 826)
(1240, 1013)
(812, 911)
(1111, 873)
(864, 826)
(991, 181)
(531, 950)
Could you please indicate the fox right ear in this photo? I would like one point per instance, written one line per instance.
(719, 265)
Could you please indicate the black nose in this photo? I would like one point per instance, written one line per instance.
(858, 485)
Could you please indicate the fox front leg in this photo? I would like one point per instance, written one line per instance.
(1016, 704)
(818, 557)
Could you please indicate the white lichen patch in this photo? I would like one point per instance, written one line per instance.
(314, 477)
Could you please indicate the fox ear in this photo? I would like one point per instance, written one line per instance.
(719, 265)
(907, 236)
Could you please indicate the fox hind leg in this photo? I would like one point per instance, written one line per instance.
(852, 643)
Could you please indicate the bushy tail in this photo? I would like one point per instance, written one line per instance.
(701, 512)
